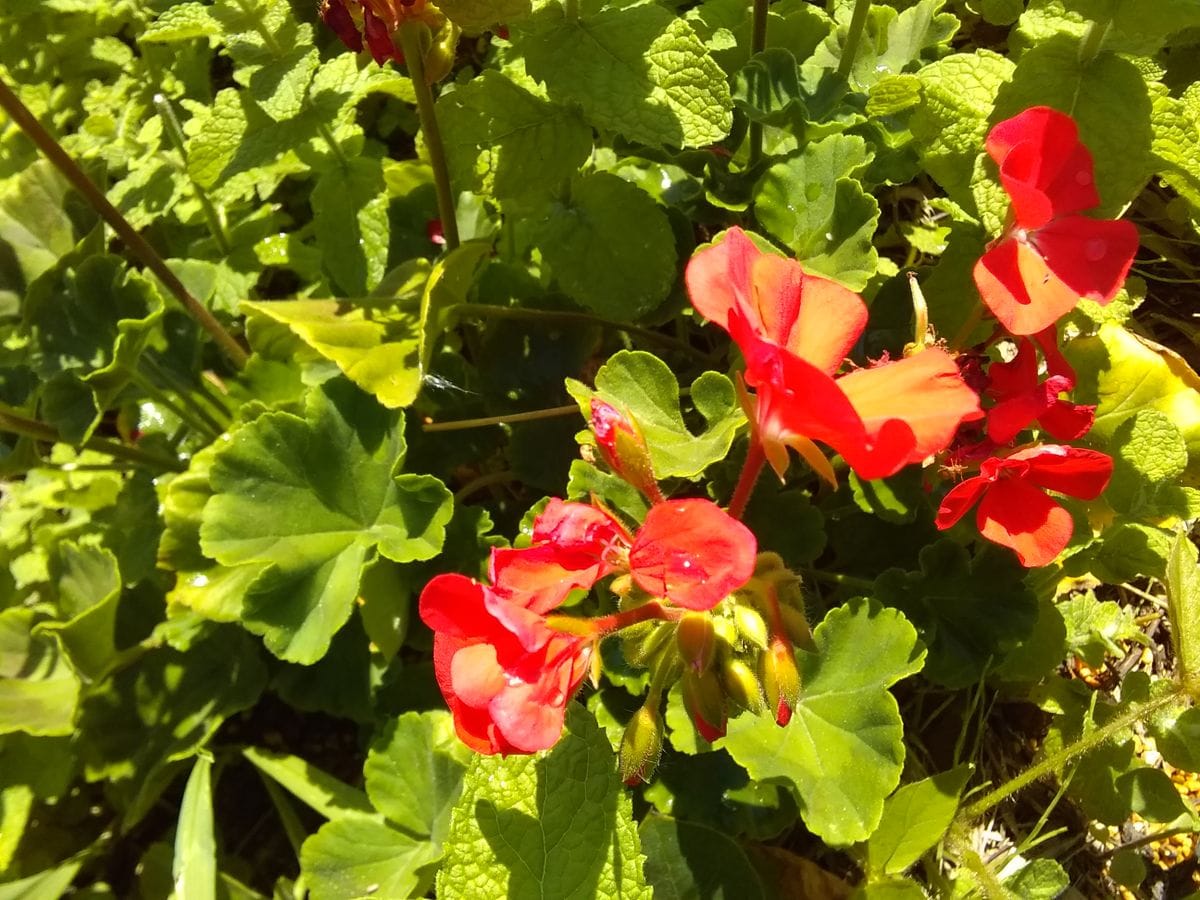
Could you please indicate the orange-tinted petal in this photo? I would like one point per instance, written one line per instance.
(1090, 256)
(1020, 289)
(718, 276)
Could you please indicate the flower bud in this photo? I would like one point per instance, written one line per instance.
(742, 685)
(642, 745)
(697, 640)
(704, 700)
(623, 447)
(796, 625)
(750, 626)
(780, 679)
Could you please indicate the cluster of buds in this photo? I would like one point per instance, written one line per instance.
(381, 24)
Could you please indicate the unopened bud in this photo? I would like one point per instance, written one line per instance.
(705, 702)
(641, 746)
(780, 679)
(741, 684)
(750, 626)
(726, 632)
(697, 640)
(796, 625)
(623, 447)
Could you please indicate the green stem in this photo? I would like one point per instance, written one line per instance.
(758, 43)
(1135, 712)
(14, 423)
(195, 417)
(483, 481)
(53, 151)
(751, 469)
(850, 581)
(858, 22)
(531, 416)
(410, 43)
(487, 311)
(174, 132)
(215, 414)
(1093, 39)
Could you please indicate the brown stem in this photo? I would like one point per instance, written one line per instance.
(53, 151)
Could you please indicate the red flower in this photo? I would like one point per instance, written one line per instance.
(1022, 399)
(1013, 510)
(623, 447)
(378, 20)
(795, 329)
(1049, 257)
(505, 673)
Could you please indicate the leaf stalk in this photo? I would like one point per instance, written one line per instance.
(858, 22)
(15, 423)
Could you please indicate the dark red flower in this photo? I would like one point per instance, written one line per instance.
(795, 329)
(1013, 510)
(507, 676)
(620, 442)
(1022, 399)
(1049, 257)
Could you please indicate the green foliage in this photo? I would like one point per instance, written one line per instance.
(556, 824)
(914, 820)
(842, 752)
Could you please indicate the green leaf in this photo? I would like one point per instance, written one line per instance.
(1139, 27)
(167, 705)
(502, 140)
(1176, 141)
(312, 497)
(894, 94)
(89, 585)
(330, 797)
(1183, 604)
(639, 71)
(350, 218)
(1094, 627)
(829, 231)
(956, 605)
(643, 385)
(950, 126)
(362, 856)
(280, 86)
(475, 15)
(609, 246)
(767, 88)
(1040, 879)
(38, 690)
(1177, 736)
(1149, 456)
(181, 22)
(375, 343)
(842, 751)
(1124, 374)
(51, 884)
(1107, 89)
(414, 773)
(1123, 552)
(687, 859)
(897, 499)
(16, 803)
(914, 820)
(891, 41)
(32, 220)
(449, 283)
(556, 824)
(195, 865)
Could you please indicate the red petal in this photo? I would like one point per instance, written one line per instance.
(692, 553)
(1019, 288)
(816, 319)
(1044, 168)
(475, 674)
(1019, 516)
(1056, 363)
(718, 276)
(379, 41)
(580, 527)
(453, 605)
(1065, 421)
(959, 499)
(541, 577)
(1090, 256)
(1073, 471)
(924, 391)
(473, 726)
(335, 15)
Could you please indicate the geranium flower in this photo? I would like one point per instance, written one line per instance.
(507, 676)
(377, 20)
(1049, 256)
(1014, 511)
(1021, 399)
(506, 670)
(794, 330)
(621, 443)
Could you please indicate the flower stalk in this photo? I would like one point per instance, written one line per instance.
(14, 423)
(758, 43)
(858, 23)
(410, 43)
(751, 468)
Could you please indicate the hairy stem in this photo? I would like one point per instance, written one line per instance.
(858, 22)
(531, 416)
(53, 151)
(850, 581)
(1084, 745)
(14, 423)
(410, 43)
(746, 481)
(214, 217)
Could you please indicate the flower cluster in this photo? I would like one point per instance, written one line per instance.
(507, 668)
(378, 23)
